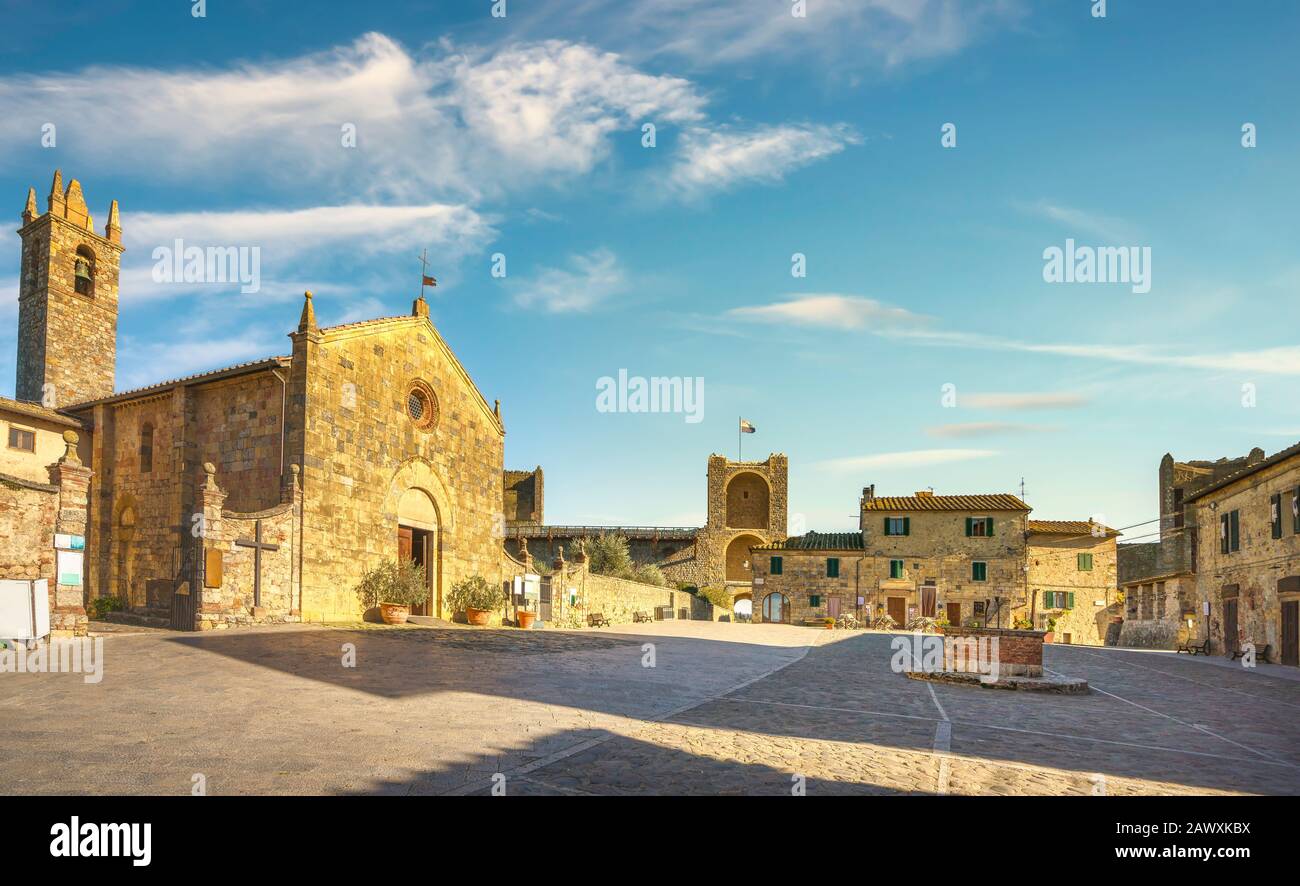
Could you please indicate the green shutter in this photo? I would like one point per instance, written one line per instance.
(776, 566)
(832, 567)
(814, 601)
(970, 524)
(988, 526)
(907, 525)
(887, 532)
(1047, 599)
(1069, 600)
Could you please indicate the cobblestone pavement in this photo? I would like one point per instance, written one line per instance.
(841, 722)
(727, 709)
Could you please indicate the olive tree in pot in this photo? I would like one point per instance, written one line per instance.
(393, 588)
(477, 597)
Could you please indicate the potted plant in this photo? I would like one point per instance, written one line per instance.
(393, 588)
(525, 618)
(1050, 636)
(477, 597)
(829, 622)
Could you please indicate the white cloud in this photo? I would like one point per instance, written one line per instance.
(986, 429)
(467, 123)
(724, 158)
(140, 362)
(846, 33)
(1077, 222)
(297, 244)
(588, 281)
(853, 312)
(832, 310)
(912, 459)
(1018, 402)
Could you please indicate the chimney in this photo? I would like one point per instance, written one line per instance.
(925, 493)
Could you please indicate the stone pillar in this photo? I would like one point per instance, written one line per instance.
(208, 501)
(68, 602)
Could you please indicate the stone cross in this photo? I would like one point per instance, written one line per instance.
(258, 546)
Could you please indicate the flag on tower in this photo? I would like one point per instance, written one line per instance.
(746, 427)
(429, 281)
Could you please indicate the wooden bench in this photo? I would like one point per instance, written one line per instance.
(1195, 648)
(642, 616)
(1261, 652)
(597, 620)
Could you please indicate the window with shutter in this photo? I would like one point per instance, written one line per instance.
(1085, 562)
(1275, 514)
(1069, 600)
(895, 568)
(970, 526)
(1234, 531)
(988, 526)
(1223, 534)
(814, 601)
(979, 571)
(1047, 599)
(832, 567)
(776, 567)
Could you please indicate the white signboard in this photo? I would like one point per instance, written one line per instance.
(69, 571)
(24, 609)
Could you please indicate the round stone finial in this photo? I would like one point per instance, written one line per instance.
(293, 469)
(307, 294)
(70, 437)
(209, 468)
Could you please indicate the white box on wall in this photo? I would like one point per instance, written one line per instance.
(24, 609)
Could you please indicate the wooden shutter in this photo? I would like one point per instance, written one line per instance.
(907, 525)
(988, 526)
(1047, 599)
(970, 526)
(887, 532)
(1069, 600)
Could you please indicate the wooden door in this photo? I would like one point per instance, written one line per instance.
(954, 614)
(1229, 627)
(898, 610)
(1291, 632)
(405, 543)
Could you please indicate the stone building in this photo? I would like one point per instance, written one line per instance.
(747, 505)
(523, 497)
(1248, 557)
(1072, 580)
(961, 558)
(1158, 578)
(262, 491)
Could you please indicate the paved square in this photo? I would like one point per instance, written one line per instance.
(727, 709)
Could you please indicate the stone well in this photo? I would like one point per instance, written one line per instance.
(1018, 653)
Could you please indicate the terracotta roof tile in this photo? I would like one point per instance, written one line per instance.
(36, 410)
(816, 541)
(1067, 527)
(994, 502)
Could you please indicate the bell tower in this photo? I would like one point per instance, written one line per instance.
(67, 300)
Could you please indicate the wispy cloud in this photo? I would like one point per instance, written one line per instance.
(832, 310)
(297, 245)
(721, 159)
(589, 280)
(1022, 401)
(882, 34)
(911, 459)
(1079, 222)
(986, 429)
(465, 122)
(140, 361)
(853, 313)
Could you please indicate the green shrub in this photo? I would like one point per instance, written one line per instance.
(476, 592)
(102, 605)
(719, 597)
(611, 555)
(401, 583)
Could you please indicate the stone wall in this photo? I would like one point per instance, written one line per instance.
(30, 516)
(803, 576)
(1053, 561)
(361, 452)
(1261, 572)
(524, 494)
(1157, 613)
(229, 598)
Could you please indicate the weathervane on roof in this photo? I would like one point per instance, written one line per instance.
(425, 279)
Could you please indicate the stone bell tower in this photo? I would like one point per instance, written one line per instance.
(67, 300)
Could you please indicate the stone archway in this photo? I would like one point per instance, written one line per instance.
(748, 501)
(418, 541)
(418, 500)
(737, 558)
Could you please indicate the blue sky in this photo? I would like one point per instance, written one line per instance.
(775, 135)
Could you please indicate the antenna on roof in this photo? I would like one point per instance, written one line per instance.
(1022, 488)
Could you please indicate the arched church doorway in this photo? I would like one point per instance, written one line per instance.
(776, 608)
(123, 558)
(417, 540)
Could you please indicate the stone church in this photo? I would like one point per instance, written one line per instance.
(254, 493)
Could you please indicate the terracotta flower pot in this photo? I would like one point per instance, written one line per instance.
(526, 618)
(394, 613)
(477, 616)
(1049, 637)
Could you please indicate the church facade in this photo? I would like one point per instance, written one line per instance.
(256, 493)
